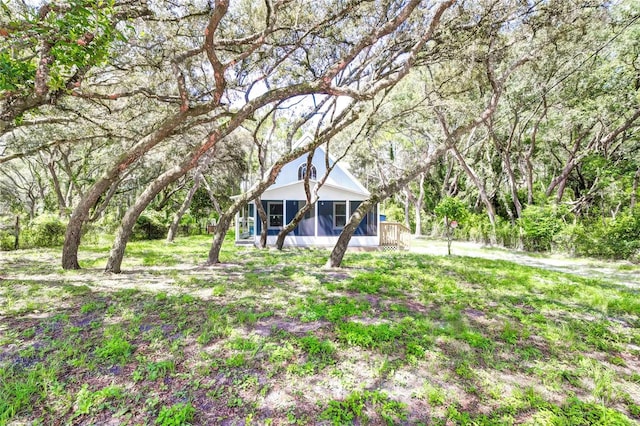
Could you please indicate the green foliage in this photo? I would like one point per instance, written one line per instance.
(79, 35)
(509, 336)
(617, 238)
(46, 230)
(180, 414)
(236, 361)
(154, 370)
(394, 213)
(376, 283)
(188, 220)
(18, 392)
(353, 408)
(320, 352)
(435, 395)
(7, 241)
(369, 336)
(577, 413)
(91, 306)
(477, 228)
(15, 75)
(452, 209)
(87, 401)
(333, 310)
(150, 226)
(201, 205)
(115, 348)
(540, 224)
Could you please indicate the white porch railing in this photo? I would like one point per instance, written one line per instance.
(394, 236)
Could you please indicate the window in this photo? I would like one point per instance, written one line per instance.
(275, 212)
(302, 172)
(339, 214)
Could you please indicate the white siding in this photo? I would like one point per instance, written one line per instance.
(339, 177)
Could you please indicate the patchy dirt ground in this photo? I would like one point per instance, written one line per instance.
(273, 338)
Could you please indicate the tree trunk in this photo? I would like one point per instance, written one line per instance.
(479, 185)
(418, 211)
(77, 220)
(561, 187)
(418, 207)
(97, 213)
(311, 196)
(125, 230)
(529, 156)
(507, 207)
(337, 254)
(225, 219)
(560, 181)
(513, 186)
(634, 190)
(529, 169)
(16, 230)
(218, 237)
(292, 225)
(173, 229)
(81, 212)
(344, 120)
(339, 250)
(407, 207)
(161, 182)
(264, 229)
(504, 150)
(62, 206)
(447, 230)
(378, 195)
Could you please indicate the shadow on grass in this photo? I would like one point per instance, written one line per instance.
(272, 337)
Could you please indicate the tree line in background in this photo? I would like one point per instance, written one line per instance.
(135, 118)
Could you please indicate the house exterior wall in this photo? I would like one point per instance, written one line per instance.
(339, 197)
(369, 224)
(325, 219)
(265, 205)
(296, 241)
(325, 213)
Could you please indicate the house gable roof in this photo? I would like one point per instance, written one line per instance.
(340, 176)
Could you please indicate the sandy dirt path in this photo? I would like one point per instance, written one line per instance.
(619, 271)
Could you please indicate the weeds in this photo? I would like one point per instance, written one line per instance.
(353, 408)
(115, 348)
(87, 401)
(263, 340)
(176, 415)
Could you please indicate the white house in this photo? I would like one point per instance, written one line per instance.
(340, 195)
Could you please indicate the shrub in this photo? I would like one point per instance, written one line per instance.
(540, 224)
(507, 235)
(617, 238)
(394, 213)
(7, 241)
(189, 225)
(452, 211)
(576, 412)
(46, 230)
(477, 228)
(149, 226)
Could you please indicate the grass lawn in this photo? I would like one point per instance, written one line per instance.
(272, 338)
